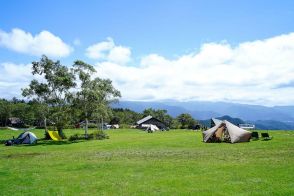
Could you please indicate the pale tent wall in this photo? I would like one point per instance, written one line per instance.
(216, 121)
(208, 133)
(236, 133)
(154, 128)
(33, 138)
(150, 127)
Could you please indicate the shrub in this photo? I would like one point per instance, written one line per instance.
(47, 136)
(98, 135)
(124, 126)
(92, 125)
(74, 137)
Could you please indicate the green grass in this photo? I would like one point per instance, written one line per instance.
(133, 162)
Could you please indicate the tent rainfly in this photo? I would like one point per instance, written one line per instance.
(26, 138)
(227, 132)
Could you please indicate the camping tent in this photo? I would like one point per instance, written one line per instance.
(215, 121)
(226, 131)
(150, 120)
(150, 128)
(26, 138)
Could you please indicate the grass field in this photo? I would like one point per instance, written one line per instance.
(133, 162)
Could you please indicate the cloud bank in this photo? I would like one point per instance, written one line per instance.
(108, 51)
(13, 77)
(257, 72)
(42, 43)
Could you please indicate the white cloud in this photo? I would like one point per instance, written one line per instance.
(252, 72)
(97, 51)
(108, 51)
(259, 72)
(119, 54)
(42, 43)
(13, 77)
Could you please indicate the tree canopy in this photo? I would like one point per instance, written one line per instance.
(93, 95)
(64, 90)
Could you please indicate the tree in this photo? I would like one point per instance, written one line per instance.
(40, 112)
(186, 121)
(125, 116)
(52, 90)
(5, 111)
(24, 112)
(93, 95)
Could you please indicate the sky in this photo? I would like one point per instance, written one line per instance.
(233, 51)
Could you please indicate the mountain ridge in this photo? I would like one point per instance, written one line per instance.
(264, 116)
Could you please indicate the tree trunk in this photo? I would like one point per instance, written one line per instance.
(45, 124)
(102, 124)
(46, 130)
(86, 127)
(60, 132)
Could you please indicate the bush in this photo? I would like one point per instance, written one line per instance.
(47, 136)
(124, 126)
(51, 128)
(74, 137)
(98, 135)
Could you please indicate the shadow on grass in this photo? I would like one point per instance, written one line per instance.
(43, 142)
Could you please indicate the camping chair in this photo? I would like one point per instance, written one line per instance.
(254, 135)
(265, 136)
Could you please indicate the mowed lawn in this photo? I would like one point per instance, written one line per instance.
(133, 162)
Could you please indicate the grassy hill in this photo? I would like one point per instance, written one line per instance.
(133, 162)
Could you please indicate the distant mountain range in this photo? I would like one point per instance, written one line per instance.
(277, 117)
(235, 121)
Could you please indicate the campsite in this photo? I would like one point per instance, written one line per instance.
(133, 162)
(154, 97)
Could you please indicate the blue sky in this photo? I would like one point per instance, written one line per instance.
(169, 28)
(165, 29)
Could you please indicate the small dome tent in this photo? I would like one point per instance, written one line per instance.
(227, 132)
(26, 138)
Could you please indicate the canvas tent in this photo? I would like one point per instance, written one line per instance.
(227, 132)
(215, 121)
